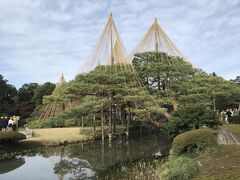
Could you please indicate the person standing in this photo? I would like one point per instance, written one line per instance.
(1, 123)
(10, 124)
(229, 115)
(5, 123)
(223, 115)
(14, 123)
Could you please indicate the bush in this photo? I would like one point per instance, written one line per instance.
(70, 123)
(200, 139)
(235, 119)
(11, 136)
(181, 168)
(190, 117)
(43, 123)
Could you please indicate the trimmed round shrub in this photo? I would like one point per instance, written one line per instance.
(182, 168)
(11, 136)
(189, 141)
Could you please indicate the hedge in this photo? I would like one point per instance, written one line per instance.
(189, 141)
(11, 136)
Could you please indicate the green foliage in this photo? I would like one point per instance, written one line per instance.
(170, 82)
(26, 102)
(160, 71)
(195, 140)
(43, 123)
(107, 87)
(172, 77)
(10, 137)
(191, 116)
(136, 169)
(208, 90)
(8, 98)
(26, 92)
(235, 119)
(181, 168)
(43, 90)
(68, 118)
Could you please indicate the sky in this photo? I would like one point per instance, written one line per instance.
(40, 39)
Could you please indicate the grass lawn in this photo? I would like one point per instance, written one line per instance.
(74, 134)
(221, 164)
(224, 163)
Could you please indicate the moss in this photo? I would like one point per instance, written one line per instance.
(195, 140)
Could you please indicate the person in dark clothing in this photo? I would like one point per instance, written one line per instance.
(229, 114)
(1, 123)
(5, 123)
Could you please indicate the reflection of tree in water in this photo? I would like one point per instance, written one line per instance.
(119, 150)
(11, 164)
(74, 168)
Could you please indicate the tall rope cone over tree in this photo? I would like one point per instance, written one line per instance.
(110, 90)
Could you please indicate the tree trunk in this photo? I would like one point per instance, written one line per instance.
(121, 114)
(128, 121)
(114, 119)
(102, 125)
(158, 83)
(110, 121)
(94, 125)
(82, 121)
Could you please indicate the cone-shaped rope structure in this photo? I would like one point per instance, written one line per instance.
(156, 40)
(108, 49)
(59, 84)
(51, 109)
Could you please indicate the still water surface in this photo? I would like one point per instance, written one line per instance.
(82, 161)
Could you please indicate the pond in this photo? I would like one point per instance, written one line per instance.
(85, 160)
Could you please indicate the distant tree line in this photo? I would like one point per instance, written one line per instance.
(24, 100)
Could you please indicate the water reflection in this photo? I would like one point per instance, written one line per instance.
(10, 164)
(74, 169)
(84, 161)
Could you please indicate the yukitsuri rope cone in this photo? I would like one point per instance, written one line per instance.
(156, 40)
(108, 50)
(52, 108)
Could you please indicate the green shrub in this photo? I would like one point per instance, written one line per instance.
(181, 168)
(46, 123)
(43, 123)
(191, 116)
(189, 141)
(11, 136)
(58, 122)
(70, 123)
(235, 119)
